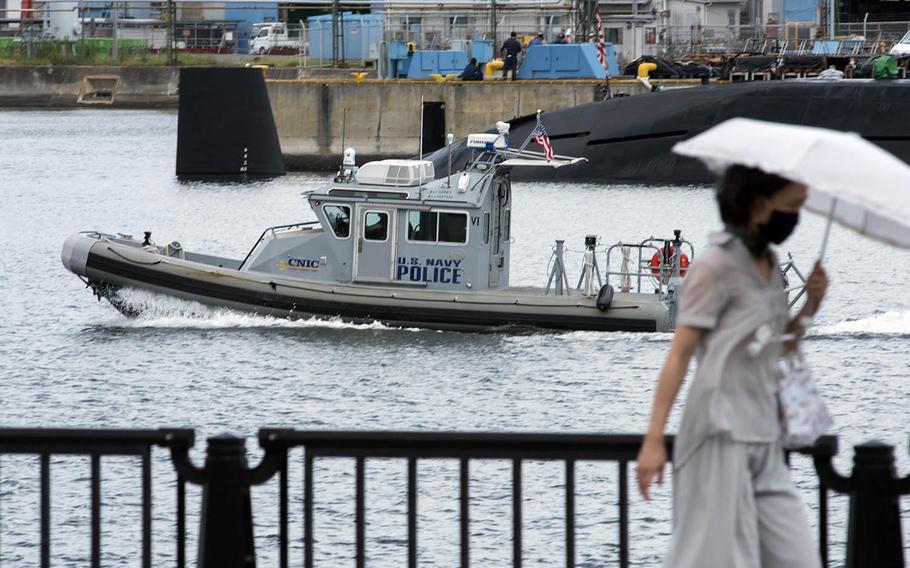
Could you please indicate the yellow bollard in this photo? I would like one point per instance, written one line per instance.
(645, 69)
(492, 67)
(359, 76)
(440, 78)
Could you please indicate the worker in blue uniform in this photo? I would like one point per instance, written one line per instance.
(472, 71)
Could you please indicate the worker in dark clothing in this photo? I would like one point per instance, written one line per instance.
(472, 71)
(561, 39)
(510, 50)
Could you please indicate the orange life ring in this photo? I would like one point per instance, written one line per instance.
(656, 261)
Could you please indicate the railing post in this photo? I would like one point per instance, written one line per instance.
(226, 519)
(874, 532)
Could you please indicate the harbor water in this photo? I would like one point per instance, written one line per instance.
(67, 360)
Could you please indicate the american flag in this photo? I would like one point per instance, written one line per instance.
(601, 38)
(542, 138)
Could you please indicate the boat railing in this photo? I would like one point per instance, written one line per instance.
(638, 274)
(789, 271)
(272, 231)
(643, 269)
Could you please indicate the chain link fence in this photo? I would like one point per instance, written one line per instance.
(434, 28)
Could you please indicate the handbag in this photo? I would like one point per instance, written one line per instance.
(804, 415)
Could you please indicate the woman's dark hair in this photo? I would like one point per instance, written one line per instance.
(738, 189)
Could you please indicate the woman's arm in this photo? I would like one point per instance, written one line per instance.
(653, 454)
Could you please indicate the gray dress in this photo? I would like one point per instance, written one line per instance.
(734, 505)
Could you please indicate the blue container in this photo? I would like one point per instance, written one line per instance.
(358, 30)
(482, 50)
(569, 61)
(425, 63)
(399, 60)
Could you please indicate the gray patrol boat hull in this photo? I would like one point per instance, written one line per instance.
(109, 263)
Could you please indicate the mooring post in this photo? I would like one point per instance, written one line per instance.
(226, 519)
(874, 531)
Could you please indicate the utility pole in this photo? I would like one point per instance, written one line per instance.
(171, 17)
(337, 35)
(493, 21)
(115, 52)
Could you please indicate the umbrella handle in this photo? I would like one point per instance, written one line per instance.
(821, 253)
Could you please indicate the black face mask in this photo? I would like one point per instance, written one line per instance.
(779, 226)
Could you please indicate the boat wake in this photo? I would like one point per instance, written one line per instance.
(152, 311)
(889, 324)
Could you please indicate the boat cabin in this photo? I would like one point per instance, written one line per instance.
(391, 222)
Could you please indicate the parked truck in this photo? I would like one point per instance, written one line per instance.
(277, 38)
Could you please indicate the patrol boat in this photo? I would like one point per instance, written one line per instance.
(393, 244)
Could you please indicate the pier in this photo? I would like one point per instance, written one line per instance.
(225, 532)
(317, 118)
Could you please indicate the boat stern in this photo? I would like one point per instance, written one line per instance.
(75, 252)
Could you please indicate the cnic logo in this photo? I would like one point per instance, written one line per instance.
(299, 264)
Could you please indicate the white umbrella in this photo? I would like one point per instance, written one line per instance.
(850, 180)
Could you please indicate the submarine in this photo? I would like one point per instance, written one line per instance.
(629, 139)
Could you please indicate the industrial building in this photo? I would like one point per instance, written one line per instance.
(362, 31)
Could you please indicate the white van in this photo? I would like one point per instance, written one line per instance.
(902, 48)
(275, 37)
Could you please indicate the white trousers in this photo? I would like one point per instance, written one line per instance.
(735, 506)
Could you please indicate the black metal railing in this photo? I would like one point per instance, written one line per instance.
(98, 443)
(874, 536)
(464, 447)
(568, 448)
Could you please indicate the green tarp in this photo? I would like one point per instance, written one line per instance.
(885, 67)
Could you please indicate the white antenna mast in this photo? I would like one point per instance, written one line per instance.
(344, 123)
(421, 127)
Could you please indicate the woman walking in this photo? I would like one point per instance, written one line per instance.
(734, 504)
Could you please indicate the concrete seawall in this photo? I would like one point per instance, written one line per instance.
(60, 86)
(381, 119)
(24, 86)
(317, 118)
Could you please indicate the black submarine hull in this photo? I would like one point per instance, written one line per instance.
(225, 125)
(629, 139)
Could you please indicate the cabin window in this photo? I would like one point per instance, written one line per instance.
(506, 224)
(422, 226)
(436, 227)
(486, 228)
(376, 226)
(453, 227)
(339, 218)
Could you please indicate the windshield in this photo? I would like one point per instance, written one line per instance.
(906, 39)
